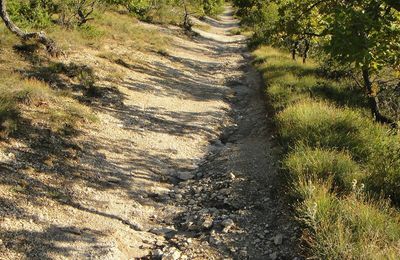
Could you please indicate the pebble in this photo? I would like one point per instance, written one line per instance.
(278, 239)
(157, 254)
(273, 256)
(171, 254)
(184, 176)
(227, 224)
(162, 230)
(207, 223)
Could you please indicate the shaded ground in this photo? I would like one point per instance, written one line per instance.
(114, 190)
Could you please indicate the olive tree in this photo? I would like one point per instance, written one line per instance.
(40, 37)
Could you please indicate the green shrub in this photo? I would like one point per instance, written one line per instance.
(33, 13)
(213, 7)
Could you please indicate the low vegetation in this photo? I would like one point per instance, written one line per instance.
(343, 167)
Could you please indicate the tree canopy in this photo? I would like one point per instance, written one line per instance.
(361, 35)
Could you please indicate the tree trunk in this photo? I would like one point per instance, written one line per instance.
(38, 36)
(186, 20)
(294, 49)
(306, 49)
(373, 101)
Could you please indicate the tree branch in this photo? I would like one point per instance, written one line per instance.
(38, 36)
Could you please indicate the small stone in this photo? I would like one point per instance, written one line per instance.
(171, 254)
(278, 239)
(214, 240)
(232, 176)
(178, 196)
(162, 230)
(243, 253)
(217, 143)
(227, 224)
(11, 156)
(157, 254)
(184, 176)
(273, 256)
(207, 222)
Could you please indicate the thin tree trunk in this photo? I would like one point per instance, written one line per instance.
(38, 36)
(306, 49)
(186, 20)
(373, 101)
(294, 49)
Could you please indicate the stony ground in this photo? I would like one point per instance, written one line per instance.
(181, 164)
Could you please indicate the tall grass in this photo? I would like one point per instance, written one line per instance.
(339, 160)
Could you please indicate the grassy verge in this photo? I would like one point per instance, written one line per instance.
(34, 100)
(339, 161)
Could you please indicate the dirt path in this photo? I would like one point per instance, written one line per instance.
(234, 206)
(180, 164)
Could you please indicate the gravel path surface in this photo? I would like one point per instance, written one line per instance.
(180, 165)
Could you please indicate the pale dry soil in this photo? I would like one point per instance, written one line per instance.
(181, 163)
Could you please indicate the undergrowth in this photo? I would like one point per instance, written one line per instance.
(343, 167)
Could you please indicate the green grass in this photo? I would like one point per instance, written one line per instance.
(337, 157)
(349, 227)
(315, 164)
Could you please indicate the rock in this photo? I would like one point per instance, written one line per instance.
(273, 256)
(243, 253)
(227, 224)
(184, 176)
(217, 143)
(162, 231)
(207, 222)
(214, 240)
(232, 176)
(11, 156)
(178, 196)
(278, 239)
(171, 254)
(157, 254)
